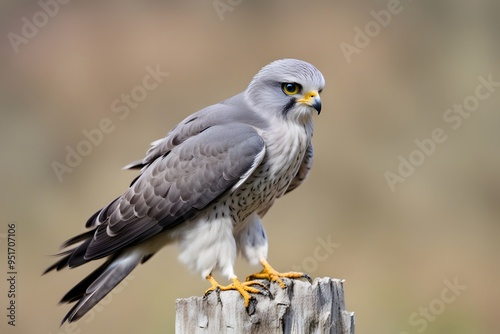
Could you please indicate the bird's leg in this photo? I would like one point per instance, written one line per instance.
(244, 288)
(272, 275)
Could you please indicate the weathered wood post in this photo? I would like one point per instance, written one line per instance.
(300, 308)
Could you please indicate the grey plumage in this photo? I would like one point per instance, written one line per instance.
(205, 185)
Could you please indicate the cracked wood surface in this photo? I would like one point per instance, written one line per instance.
(300, 308)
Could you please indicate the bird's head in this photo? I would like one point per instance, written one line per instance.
(288, 88)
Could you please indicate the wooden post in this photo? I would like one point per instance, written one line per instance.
(300, 308)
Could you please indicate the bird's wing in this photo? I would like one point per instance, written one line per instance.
(191, 126)
(232, 110)
(175, 186)
(304, 169)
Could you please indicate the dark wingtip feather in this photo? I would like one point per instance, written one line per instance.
(90, 221)
(75, 256)
(61, 263)
(138, 164)
(79, 237)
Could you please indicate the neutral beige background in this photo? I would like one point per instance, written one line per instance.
(395, 249)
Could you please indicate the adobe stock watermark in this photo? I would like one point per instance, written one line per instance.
(121, 107)
(222, 7)
(373, 28)
(420, 319)
(453, 117)
(30, 28)
(74, 327)
(321, 253)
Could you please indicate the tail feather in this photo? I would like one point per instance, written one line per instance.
(93, 288)
(78, 291)
(99, 283)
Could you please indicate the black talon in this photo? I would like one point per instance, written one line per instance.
(252, 304)
(217, 291)
(307, 277)
(265, 291)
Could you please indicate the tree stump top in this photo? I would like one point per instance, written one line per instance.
(299, 308)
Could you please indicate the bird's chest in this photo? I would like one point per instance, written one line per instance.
(284, 154)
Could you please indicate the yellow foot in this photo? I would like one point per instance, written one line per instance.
(272, 275)
(244, 288)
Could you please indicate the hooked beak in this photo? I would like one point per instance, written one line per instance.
(312, 99)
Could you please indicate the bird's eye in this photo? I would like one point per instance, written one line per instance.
(290, 88)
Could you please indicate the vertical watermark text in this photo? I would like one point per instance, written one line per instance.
(11, 273)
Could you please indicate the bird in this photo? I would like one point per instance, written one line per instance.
(206, 186)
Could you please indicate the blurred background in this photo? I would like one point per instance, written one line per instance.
(65, 67)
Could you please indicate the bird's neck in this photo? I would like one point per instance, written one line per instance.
(287, 143)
